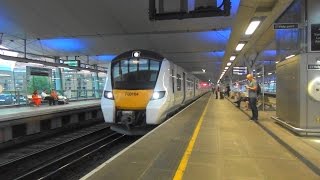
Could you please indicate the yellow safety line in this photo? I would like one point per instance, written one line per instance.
(184, 161)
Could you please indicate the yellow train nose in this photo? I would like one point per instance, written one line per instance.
(132, 99)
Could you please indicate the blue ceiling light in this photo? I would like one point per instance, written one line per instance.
(217, 37)
(218, 53)
(269, 53)
(106, 57)
(64, 44)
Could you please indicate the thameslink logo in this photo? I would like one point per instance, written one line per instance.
(131, 94)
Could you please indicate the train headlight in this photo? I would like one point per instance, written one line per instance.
(158, 95)
(108, 94)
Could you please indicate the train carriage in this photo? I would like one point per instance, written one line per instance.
(142, 88)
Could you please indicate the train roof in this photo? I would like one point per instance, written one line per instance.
(142, 53)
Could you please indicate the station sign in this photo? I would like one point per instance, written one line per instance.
(238, 70)
(315, 37)
(36, 71)
(72, 63)
(313, 66)
(285, 26)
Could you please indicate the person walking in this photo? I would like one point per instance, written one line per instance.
(252, 96)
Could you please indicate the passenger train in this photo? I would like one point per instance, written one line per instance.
(142, 88)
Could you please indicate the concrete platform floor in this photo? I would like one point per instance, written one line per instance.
(228, 146)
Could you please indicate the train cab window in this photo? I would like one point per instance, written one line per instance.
(134, 73)
(178, 82)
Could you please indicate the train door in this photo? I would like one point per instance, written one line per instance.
(184, 86)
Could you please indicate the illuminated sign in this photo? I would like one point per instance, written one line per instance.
(72, 63)
(239, 70)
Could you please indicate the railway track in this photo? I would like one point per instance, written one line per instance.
(51, 157)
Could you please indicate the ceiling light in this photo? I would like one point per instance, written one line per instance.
(269, 73)
(259, 76)
(203, 70)
(240, 46)
(252, 27)
(229, 64)
(226, 68)
(232, 58)
(290, 56)
(277, 62)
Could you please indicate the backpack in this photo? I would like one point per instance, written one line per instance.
(258, 89)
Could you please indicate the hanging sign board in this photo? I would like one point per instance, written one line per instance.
(72, 63)
(286, 26)
(239, 70)
(315, 37)
(313, 67)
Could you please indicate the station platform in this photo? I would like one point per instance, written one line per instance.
(19, 124)
(12, 113)
(209, 139)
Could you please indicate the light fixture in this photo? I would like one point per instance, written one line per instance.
(229, 64)
(232, 58)
(226, 68)
(240, 46)
(277, 62)
(292, 55)
(259, 76)
(203, 70)
(269, 73)
(252, 27)
(136, 54)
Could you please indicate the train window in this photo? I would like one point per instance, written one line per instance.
(143, 64)
(178, 82)
(135, 73)
(154, 65)
(116, 73)
(133, 65)
(124, 67)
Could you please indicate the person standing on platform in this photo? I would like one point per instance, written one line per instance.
(252, 96)
(228, 90)
(217, 91)
(54, 96)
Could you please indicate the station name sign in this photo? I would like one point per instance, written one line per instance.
(286, 26)
(313, 66)
(72, 63)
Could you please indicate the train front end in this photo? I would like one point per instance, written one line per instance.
(128, 90)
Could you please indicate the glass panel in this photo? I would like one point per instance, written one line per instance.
(143, 78)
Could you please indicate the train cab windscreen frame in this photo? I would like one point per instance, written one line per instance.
(135, 73)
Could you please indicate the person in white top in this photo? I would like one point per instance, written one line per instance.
(47, 97)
